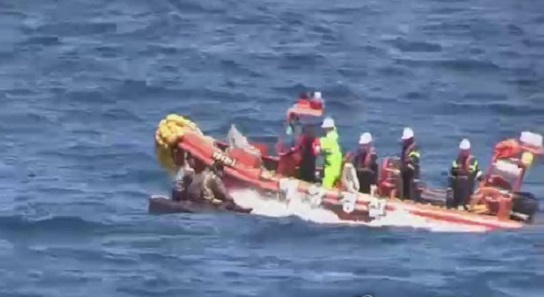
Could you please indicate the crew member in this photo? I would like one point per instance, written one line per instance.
(184, 175)
(410, 170)
(308, 158)
(366, 165)
(328, 145)
(194, 189)
(464, 171)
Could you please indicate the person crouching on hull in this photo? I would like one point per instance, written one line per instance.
(366, 165)
(214, 190)
(410, 170)
(328, 145)
(463, 173)
(184, 176)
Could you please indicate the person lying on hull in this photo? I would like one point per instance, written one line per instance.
(463, 174)
(204, 185)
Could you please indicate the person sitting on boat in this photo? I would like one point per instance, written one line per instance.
(366, 165)
(329, 146)
(463, 173)
(410, 170)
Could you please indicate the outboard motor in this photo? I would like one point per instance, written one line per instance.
(524, 207)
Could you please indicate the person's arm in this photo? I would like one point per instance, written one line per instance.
(475, 169)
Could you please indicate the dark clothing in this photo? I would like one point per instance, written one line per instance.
(463, 173)
(365, 162)
(181, 183)
(307, 164)
(410, 171)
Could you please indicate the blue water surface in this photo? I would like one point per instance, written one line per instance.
(84, 83)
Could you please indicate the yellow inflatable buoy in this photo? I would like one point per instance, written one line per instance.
(168, 133)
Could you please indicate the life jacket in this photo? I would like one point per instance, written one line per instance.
(405, 158)
(463, 163)
(507, 149)
(306, 106)
(364, 158)
(514, 150)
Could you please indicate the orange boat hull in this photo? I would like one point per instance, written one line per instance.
(361, 209)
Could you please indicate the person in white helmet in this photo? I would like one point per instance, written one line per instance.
(410, 170)
(329, 146)
(365, 161)
(463, 173)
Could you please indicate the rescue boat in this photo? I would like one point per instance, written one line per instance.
(498, 202)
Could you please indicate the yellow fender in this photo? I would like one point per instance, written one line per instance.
(167, 136)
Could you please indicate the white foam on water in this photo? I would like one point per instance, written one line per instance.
(296, 207)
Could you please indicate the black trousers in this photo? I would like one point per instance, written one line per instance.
(462, 190)
(306, 171)
(409, 186)
(366, 179)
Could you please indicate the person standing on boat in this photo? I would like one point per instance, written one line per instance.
(463, 173)
(329, 146)
(308, 158)
(366, 165)
(410, 170)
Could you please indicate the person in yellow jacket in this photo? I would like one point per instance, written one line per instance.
(329, 146)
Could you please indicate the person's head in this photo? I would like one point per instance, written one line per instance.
(293, 119)
(195, 163)
(328, 124)
(365, 140)
(464, 147)
(407, 135)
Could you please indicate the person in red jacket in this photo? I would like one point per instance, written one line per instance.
(308, 158)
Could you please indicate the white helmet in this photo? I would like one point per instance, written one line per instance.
(464, 145)
(317, 95)
(407, 133)
(328, 122)
(365, 138)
